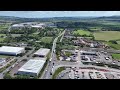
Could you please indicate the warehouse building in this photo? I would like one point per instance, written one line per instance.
(8, 50)
(88, 53)
(32, 67)
(42, 52)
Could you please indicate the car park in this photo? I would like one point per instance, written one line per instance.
(92, 76)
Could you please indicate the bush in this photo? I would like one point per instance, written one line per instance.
(113, 42)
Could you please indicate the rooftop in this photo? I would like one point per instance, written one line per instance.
(10, 49)
(33, 65)
(42, 51)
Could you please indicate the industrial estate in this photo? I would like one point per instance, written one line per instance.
(60, 48)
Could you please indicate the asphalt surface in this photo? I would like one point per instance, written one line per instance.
(49, 68)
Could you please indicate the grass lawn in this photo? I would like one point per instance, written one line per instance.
(47, 39)
(2, 37)
(114, 46)
(68, 47)
(116, 56)
(68, 53)
(57, 72)
(5, 56)
(107, 35)
(36, 33)
(4, 26)
(81, 32)
(118, 42)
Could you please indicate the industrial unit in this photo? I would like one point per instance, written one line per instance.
(42, 52)
(88, 53)
(8, 50)
(32, 67)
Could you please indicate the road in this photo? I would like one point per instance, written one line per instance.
(62, 36)
(78, 65)
(48, 69)
(51, 68)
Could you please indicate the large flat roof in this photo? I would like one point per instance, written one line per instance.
(18, 25)
(42, 51)
(10, 49)
(33, 66)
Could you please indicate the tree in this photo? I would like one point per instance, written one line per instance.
(7, 76)
(113, 42)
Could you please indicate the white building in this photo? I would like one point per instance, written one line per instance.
(42, 52)
(32, 67)
(8, 50)
(18, 25)
(41, 25)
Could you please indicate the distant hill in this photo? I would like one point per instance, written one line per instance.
(57, 19)
(19, 19)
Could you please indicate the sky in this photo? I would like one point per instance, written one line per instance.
(43, 14)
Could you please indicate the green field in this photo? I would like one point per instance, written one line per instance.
(81, 32)
(107, 35)
(114, 46)
(4, 26)
(116, 56)
(2, 35)
(47, 39)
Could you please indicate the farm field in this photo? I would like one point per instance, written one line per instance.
(107, 35)
(81, 32)
(46, 39)
(116, 56)
(4, 26)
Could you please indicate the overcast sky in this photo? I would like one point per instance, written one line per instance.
(41, 14)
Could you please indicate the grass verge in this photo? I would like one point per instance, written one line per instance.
(57, 72)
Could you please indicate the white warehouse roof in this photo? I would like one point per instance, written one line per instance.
(38, 25)
(18, 25)
(10, 49)
(32, 66)
(42, 51)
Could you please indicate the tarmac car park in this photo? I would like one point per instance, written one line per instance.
(74, 73)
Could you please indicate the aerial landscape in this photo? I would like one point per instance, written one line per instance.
(59, 44)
